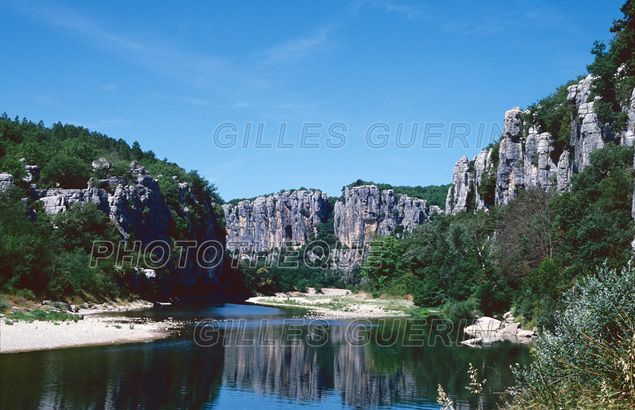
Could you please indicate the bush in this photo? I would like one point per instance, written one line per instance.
(26, 294)
(4, 304)
(457, 311)
(589, 360)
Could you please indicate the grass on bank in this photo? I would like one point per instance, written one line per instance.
(47, 315)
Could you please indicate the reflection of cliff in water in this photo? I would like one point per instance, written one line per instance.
(140, 376)
(367, 375)
(175, 373)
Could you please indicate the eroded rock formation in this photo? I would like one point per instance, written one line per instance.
(364, 212)
(274, 221)
(139, 210)
(527, 157)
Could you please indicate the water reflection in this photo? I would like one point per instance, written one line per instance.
(273, 368)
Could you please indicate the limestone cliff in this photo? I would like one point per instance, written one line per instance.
(525, 157)
(365, 211)
(273, 221)
(138, 209)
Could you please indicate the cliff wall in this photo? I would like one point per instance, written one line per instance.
(526, 157)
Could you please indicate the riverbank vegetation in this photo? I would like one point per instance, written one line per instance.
(588, 361)
(524, 255)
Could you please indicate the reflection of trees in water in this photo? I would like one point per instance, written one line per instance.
(174, 373)
(141, 376)
(368, 375)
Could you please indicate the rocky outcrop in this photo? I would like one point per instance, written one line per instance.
(511, 169)
(587, 134)
(59, 200)
(469, 181)
(364, 212)
(528, 158)
(138, 209)
(628, 133)
(484, 166)
(6, 181)
(462, 187)
(292, 218)
(488, 330)
(32, 172)
(275, 221)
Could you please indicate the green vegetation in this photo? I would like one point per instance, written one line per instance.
(524, 255)
(43, 315)
(434, 194)
(266, 277)
(47, 256)
(487, 189)
(588, 361)
(615, 69)
(553, 114)
(235, 201)
(4, 304)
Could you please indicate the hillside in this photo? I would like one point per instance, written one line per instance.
(64, 187)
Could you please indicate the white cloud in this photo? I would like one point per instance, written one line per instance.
(297, 49)
(109, 87)
(409, 10)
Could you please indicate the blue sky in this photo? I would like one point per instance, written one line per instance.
(171, 75)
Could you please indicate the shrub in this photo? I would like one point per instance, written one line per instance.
(457, 311)
(4, 304)
(589, 360)
(26, 294)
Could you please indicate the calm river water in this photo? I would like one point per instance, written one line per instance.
(255, 357)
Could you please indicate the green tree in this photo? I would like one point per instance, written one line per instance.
(68, 172)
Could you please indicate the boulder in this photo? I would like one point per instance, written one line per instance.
(6, 181)
(508, 330)
(483, 324)
(477, 341)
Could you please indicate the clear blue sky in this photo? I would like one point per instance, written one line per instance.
(168, 75)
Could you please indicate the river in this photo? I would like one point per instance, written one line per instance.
(245, 356)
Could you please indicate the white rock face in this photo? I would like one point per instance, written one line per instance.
(628, 134)
(527, 158)
(59, 200)
(587, 134)
(461, 188)
(511, 169)
(482, 164)
(364, 212)
(274, 221)
(6, 181)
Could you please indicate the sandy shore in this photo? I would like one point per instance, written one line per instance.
(38, 335)
(92, 330)
(337, 304)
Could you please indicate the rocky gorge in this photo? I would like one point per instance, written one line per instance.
(527, 156)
